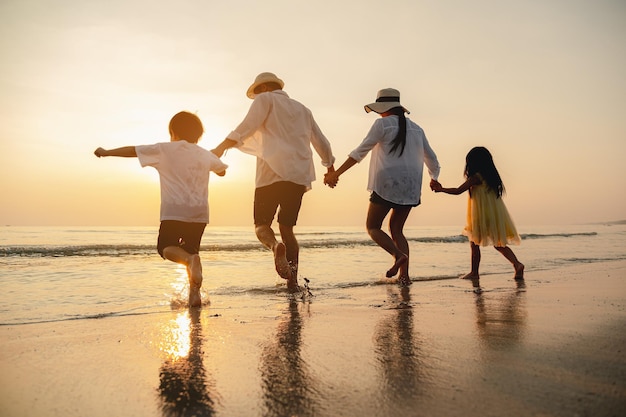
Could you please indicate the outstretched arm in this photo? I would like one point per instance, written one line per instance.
(222, 147)
(332, 177)
(438, 188)
(124, 152)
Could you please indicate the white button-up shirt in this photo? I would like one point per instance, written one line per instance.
(397, 178)
(279, 131)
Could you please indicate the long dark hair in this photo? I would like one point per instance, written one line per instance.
(400, 140)
(480, 161)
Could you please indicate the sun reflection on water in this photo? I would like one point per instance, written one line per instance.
(176, 341)
(182, 281)
(185, 387)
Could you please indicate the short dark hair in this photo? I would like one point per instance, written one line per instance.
(186, 126)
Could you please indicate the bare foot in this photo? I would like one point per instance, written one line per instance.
(404, 281)
(396, 266)
(294, 268)
(281, 263)
(519, 271)
(195, 300)
(194, 271)
(471, 276)
(292, 285)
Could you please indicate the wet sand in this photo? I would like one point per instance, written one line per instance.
(552, 346)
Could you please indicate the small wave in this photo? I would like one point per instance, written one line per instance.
(123, 250)
(79, 250)
(588, 260)
(440, 239)
(551, 235)
(95, 316)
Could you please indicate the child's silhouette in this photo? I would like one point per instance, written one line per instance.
(488, 220)
(184, 169)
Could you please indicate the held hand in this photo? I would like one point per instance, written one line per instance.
(331, 179)
(435, 186)
(221, 149)
(100, 152)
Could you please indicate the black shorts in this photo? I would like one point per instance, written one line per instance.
(376, 199)
(284, 194)
(183, 234)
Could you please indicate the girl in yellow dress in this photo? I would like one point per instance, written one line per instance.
(488, 220)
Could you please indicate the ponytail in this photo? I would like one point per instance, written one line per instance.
(400, 140)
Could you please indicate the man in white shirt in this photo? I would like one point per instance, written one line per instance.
(279, 131)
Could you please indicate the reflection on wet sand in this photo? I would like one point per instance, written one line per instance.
(398, 355)
(500, 316)
(288, 389)
(185, 389)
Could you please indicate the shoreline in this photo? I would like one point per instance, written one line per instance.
(551, 347)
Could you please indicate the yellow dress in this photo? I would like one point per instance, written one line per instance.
(488, 220)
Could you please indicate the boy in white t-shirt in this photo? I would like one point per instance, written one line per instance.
(184, 169)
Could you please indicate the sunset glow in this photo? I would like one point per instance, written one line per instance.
(538, 83)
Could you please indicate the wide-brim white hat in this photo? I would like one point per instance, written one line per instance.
(386, 99)
(262, 78)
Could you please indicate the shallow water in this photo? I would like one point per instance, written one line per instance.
(94, 323)
(58, 273)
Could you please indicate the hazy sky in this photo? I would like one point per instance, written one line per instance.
(540, 83)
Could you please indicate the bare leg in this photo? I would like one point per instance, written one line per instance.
(267, 237)
(508, 254)
(475, 262)
(293, 253)
(194, 271)
(375, 216)
(396, 227)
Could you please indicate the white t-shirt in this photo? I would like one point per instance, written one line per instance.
(397, 178)
(184, 176)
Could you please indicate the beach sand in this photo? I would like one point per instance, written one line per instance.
(554, 346)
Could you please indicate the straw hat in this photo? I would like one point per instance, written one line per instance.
(262, 78)
(386, 99)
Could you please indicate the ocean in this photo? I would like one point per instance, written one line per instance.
(53, 274)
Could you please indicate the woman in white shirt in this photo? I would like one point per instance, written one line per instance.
(399, 151)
